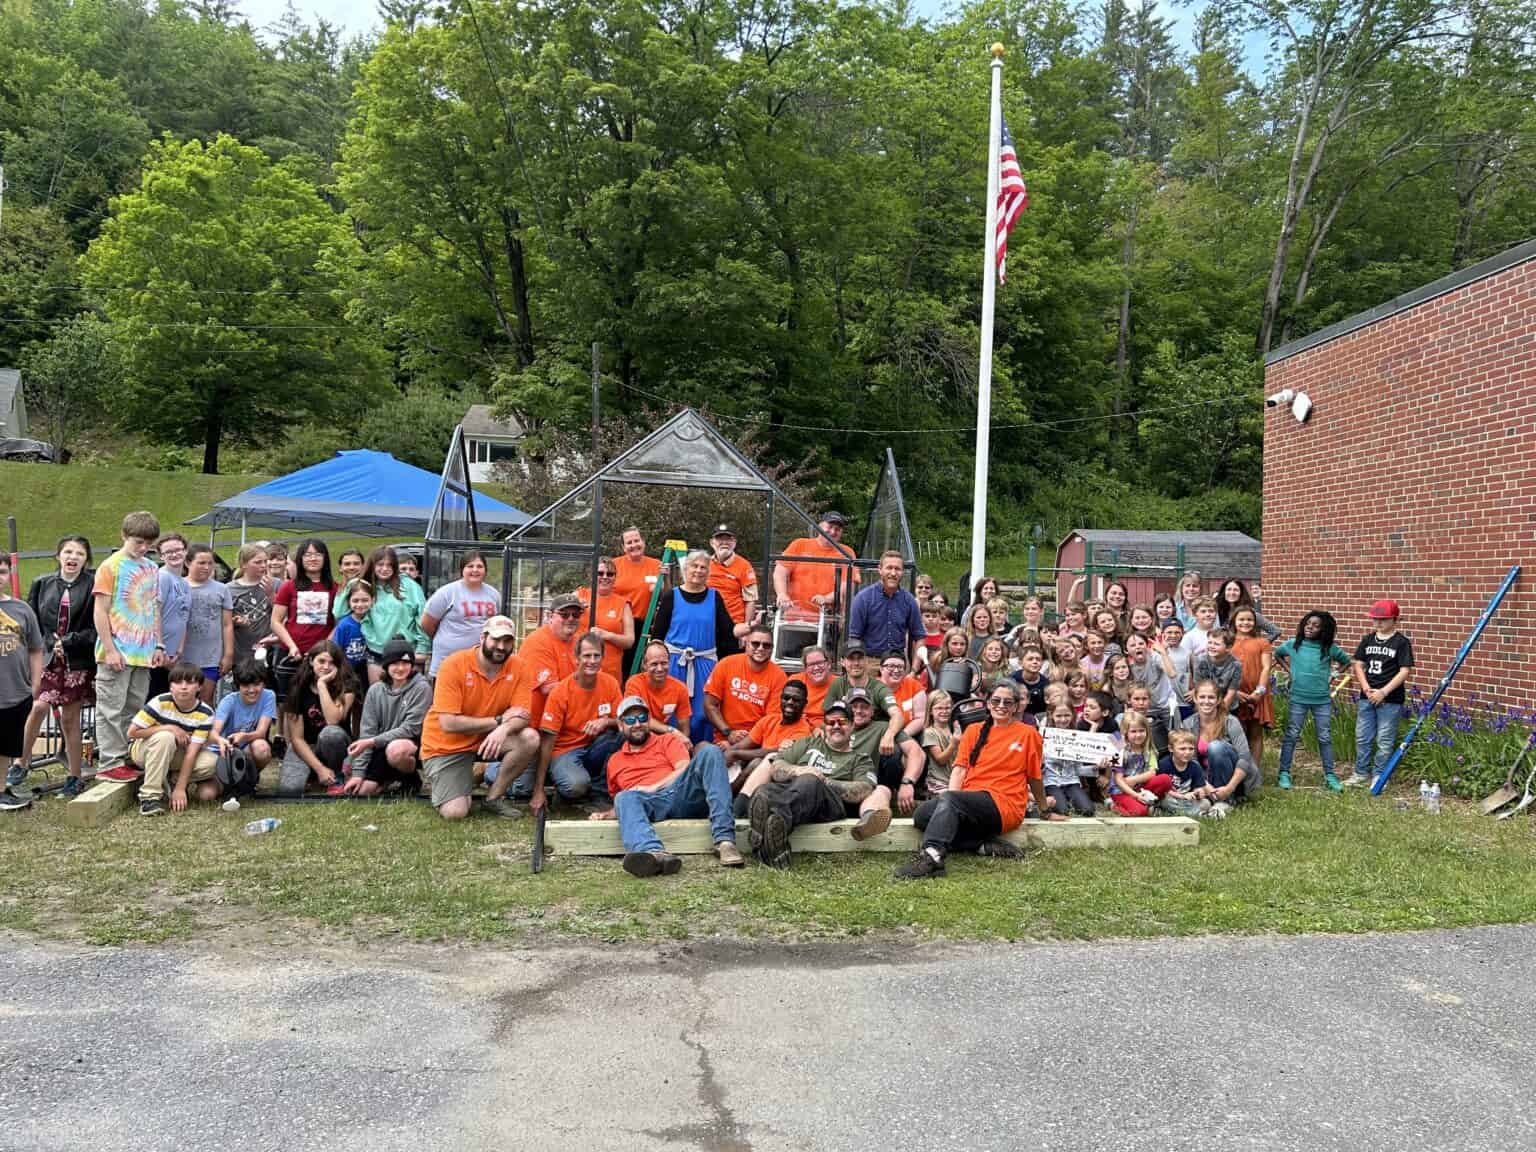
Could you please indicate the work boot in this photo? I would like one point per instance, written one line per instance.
(730, 857)
(645, 864)
(871, 823)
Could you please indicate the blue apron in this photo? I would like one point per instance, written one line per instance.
(690, 639)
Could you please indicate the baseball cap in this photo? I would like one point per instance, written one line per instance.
(629, 703)
(498, 627)
(722, 530)
(400, 649)
(859, 694)
(833, 518)
(564, 601)
(835, 706)
(855, 648)
(1384, 610)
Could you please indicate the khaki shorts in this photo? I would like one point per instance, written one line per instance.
(451, 776)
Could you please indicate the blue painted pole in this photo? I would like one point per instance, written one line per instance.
(1445, 681)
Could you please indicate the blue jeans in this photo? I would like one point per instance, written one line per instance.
(1322, 720)
(702, 790)
(1220, 762)
(1375, 724)
(579, 774)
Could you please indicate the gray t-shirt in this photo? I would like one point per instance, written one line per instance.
(460, 614)
(19, 637)
(206, 605)
(1154, 676)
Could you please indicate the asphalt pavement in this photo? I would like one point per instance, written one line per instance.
(1404, 1042)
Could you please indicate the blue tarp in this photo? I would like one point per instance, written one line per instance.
(363, 492)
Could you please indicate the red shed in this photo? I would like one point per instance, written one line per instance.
(1149, 563)
(1414, 477)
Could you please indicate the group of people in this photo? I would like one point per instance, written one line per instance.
(966, 719)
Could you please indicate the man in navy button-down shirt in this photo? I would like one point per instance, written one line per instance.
(886, 617)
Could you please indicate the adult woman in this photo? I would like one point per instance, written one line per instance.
(1233, 595)
(250, 601)
(62, 603)
(983, 590)
(1221, 746)
(695, 625)
(953, 670)
(923, 588)
(315, 718)
(1191, 588)
(615, 619)
(1255, 709)
(458, 610)
(978, 627)
(996, 769)
(397, 607)
(1116, 598)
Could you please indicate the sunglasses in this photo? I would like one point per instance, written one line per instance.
(633, 718)
(570, 613)
(1002, 702)
(832, 722)
(759, 643)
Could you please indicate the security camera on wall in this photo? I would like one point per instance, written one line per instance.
(1279, 398)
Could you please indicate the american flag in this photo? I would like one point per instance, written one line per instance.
(1012, 198)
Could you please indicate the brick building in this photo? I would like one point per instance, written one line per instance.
(1415, 476)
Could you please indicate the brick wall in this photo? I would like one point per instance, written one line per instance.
(1416, 479)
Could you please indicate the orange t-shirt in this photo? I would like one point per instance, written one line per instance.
(772, 733)
(656, 759)
(463, 690)
(549, 659)
(1007, 764)
(635, 581)
(610, 618)
(907, 691)
(570, 706)
(669, 703)
(730, 580)
(815, 699)
(745, 696)
(807, 580)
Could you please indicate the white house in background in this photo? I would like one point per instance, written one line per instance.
(13, 405)
(488, 440)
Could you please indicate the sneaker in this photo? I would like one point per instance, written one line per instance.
(922, 866)
(121, 772)
(1218, 810)
(500, 806)
(1357, 780)
(73, 786)
(872, 823)
(999, 849)
(774, 849)
(12, 801)
(15, 776)
(644, 864)
(1333, 783)
(151, 807)
(1283, 781)
(730, 856)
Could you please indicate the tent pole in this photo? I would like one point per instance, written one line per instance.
(242, 527)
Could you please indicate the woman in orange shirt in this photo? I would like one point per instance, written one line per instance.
(996, 769)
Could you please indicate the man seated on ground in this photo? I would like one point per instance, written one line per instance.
(739, 690)
(480, 709)
(817, 780)
(652, 778)
(579, 731)
(816, 674)
(665, 696)
(899, 770)
(773, 733)
(171, 731)
(242, 724)
(549, 651)
(804, 588)
(385, 754)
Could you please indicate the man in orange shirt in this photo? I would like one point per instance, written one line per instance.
(816, 674)
(638, 574)
(911, 698)
(665, 696)
(738, 691)
(480, 709)
(805, 587)
(578, 733)
(550, 651)
(615, 619)
(733, 576)
(653, 778)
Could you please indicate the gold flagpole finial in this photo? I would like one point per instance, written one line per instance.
(997, 50)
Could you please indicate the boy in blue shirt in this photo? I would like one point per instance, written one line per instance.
(242, 726)
(1311, 655)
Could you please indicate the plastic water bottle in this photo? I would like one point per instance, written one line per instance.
(265, 824)
(1424, 794)
(1434, 799)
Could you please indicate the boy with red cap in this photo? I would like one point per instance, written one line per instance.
(1383, 662)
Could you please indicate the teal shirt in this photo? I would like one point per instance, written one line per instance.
(392, 616)
(1311, 669)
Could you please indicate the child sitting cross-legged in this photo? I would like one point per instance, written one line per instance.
(171, 732)
(1187, 794)
(1063, 786)
(1136, 785)
(243, 723)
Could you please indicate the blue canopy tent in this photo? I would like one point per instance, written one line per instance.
(359, 493)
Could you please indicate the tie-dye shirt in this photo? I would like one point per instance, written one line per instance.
(132, 589)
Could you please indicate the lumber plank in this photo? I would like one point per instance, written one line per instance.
(99, 803)
(692, 837)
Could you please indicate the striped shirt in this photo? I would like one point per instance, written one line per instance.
(197, 723)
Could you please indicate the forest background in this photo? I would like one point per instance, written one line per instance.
(239, 249)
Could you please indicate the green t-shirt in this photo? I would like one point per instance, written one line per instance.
(867, 739)
(815, 752)
(879, 691)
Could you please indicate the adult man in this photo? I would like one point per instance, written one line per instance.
(856, 674)
(738, 691)
(885, 617)
(815, 781)
(550, 652)
(652, 778)
(665, 696)
(775, 731)
(615, 620)
(816, 674)
(480, 708)
(808, 587)
(21, 677)
(578, 733)
(733, 577)
(899, 766)
(636, 573)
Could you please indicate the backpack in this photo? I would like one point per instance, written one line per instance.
(237, 775)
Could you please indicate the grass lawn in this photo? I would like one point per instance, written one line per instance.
(1307, 861)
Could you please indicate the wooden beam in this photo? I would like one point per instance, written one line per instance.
(690, 837)
(99, 803)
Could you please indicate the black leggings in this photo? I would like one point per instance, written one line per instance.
(958, 821)
(1070, 797)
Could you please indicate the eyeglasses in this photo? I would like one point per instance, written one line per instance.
(759, 643)
(570, 613)
(1003, 702)
(817, 666)
(893, 667)
(833, 722)
(633, 718)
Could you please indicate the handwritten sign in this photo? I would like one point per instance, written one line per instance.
(1075, 747)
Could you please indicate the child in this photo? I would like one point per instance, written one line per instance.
(1186, 795)
(250, 601)
(1218, 665)
(1092, 662)
(1205, 620)
(1253, 650)
(175, 727)
(1107, 625)
(210, 639)
(242, 724)
(1030, 678)
(1135, 783)
(1075, 623)
(388, 748)
(1310, 655)
(1164, 609)
(1064, 663)
(21, 675)
(314, 714)
(348, 633)
(128, 641)
(1077, 691)
(1142, 622)
(1119, 682)
(1173, 655)
(1097, 716)
(941, 741)
(1383, 662)
(1060, 777)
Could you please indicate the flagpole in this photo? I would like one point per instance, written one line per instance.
(988, 298)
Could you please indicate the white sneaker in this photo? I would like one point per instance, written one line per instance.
(1357, 780)
(1219, 810)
